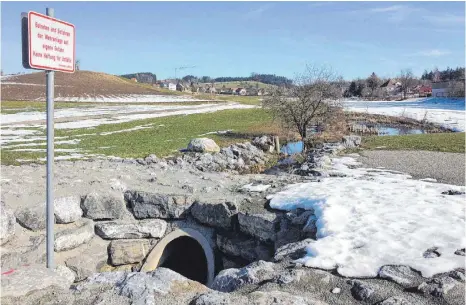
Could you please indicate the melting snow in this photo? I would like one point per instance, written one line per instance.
(256, 188)
(377, 217)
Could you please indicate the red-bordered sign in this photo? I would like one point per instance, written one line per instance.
(51, 43)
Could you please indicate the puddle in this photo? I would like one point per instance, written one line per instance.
(292, 148)
(384, 130)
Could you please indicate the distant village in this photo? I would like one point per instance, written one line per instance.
(447, 83)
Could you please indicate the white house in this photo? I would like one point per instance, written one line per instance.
(440, 89)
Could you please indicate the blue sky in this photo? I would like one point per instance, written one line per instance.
(237, 38)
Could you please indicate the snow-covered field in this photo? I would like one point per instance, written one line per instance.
(446, 112)
(130, 98)
(375, 217)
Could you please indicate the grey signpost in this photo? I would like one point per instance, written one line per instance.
(50, 75)
(49, 45)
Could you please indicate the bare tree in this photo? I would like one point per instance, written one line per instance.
(311, 100)
(456, 89)
(407, 81)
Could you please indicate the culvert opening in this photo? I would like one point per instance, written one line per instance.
(185, 256)
(185, 251)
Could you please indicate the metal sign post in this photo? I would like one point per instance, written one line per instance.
(48, 45)
(50, 77)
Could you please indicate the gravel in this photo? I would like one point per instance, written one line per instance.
(444, 167)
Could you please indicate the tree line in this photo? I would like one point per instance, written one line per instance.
(445, 75)
(270, 79)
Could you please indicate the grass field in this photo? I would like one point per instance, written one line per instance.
(445, 142)
(165, 137)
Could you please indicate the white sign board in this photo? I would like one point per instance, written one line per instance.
(51, 43)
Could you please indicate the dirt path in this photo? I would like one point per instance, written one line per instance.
(444, 167)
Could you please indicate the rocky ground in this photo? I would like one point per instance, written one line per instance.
(84, 189)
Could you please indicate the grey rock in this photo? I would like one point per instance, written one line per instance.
(27, 279)
(150, 205)
(32, 218)
(248, 249)
(7, 224)
(231, 279)
(290, 276)
(395, 301)
(336, 290)
(459, 276)
(280, 297)
(215, 214)
(262, 226)
(265, 143)
(67, 209)
(203, 145)
(293, 250)
(154, 228)
(122, 252)
(431, 253)
(453, 192)
(219, 298)
(360, 290)
(149, 288)
(402, 275)
(86, 264)
(103, 206)
(75, 236)
(151, 159)
(437, 287)
(302, 218)
(351, 141)
(66, 273)
(460, 252)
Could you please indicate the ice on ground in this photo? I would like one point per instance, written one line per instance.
(429, 180)
(256, 188)
(449, 113)
(376, 218)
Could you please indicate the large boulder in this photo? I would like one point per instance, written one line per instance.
(26, 279)
(229, 280)
(75, 236)
(32, 218)
(104, 206)
(263, 226)
(147, 228)
(360, 290)
(203, 145)
(122, 252)
(248, 249)
(67, 209)
(215, 214)
(152, 205)
(7, 224)
(438, 287)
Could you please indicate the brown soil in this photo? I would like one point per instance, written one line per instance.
(78, 84)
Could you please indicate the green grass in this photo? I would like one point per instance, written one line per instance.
(168, 135)
(445, 142)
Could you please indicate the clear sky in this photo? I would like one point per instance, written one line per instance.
(238, 38)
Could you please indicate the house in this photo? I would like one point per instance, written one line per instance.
(440, 89)
(168, 85)
(241, 91)
(424, 91)
(391, 86)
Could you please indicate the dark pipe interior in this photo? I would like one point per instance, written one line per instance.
(185, 256)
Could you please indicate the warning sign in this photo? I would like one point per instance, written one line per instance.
(51, 43)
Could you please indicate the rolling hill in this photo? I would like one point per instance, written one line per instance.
(79, 84)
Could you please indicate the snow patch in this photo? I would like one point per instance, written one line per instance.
(377, 217)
